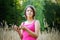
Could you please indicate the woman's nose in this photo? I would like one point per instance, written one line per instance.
(29, 11)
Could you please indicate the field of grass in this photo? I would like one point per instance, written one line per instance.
(13, 35)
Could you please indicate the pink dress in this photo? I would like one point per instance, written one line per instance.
(26, 35)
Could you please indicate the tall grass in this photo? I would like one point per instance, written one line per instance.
(53, 34)
(45, 35)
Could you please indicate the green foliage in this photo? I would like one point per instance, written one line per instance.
(52, 13)
(12, 11)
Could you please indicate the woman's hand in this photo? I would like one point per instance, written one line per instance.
(23, 27)
(16, 28)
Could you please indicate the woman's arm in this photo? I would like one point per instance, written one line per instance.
(18, 30)
(20, 34)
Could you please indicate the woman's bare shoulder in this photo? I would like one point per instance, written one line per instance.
(37, 21)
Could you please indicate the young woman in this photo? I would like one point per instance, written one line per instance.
(29, 29)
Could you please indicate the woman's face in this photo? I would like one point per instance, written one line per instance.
(29, 12)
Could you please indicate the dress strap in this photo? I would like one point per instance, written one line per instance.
(34, 22)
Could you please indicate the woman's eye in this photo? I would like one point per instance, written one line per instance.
(31, 11)
(28, 10)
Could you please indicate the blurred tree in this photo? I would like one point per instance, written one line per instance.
(12, 11)
(52, 14)
(9, 12)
